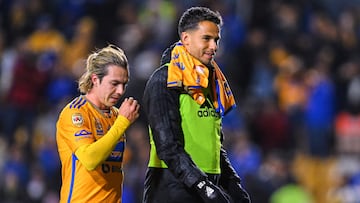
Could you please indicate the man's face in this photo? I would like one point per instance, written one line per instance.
(202, 43)
(111, 88)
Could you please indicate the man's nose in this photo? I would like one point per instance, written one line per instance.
(120, 89)
(213, 45)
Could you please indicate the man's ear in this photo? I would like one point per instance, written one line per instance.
(185, 38)
(94, 79)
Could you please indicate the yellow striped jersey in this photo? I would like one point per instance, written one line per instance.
(79, 123)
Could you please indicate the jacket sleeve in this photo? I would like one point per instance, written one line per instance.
(161, 106)
(228, 173)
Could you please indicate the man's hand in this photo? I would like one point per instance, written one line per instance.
(130, 109)
(211, 193)
(238, 193)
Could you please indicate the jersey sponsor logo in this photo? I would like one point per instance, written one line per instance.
(115, 156)
(207, 110)
(77, 119)
(82, 133)
(117, 153)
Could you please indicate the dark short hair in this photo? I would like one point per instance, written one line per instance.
(192, 16)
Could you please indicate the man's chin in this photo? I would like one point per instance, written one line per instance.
(206, 62)
(112, 102)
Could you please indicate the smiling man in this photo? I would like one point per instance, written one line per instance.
(185, 100)
(90, 130)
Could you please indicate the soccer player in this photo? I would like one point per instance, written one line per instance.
(185, 100)
(90, 130)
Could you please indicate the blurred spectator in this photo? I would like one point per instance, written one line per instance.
(68, 13)
(244, 155)
(15, 176)
(36, 186)
(136, 167)
(261, 83)
(292, 93)
(291, 193)
(25, 94)
(347, 123)
(46, 37)
(157, 17)
(271, 127)
(240, 72)
(8, 57)
(319, 111)
(314, 174)
(346, 185)
(272, 174)
(78, 47)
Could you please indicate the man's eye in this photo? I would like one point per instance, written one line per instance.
(115, 84)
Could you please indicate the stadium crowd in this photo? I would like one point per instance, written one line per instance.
(294, 68)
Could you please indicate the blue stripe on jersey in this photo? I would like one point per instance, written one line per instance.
(82, 104)
(73, 167)
(78, 102)
(74, 102)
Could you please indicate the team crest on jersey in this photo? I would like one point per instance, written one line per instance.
(77, 119)
(99, 129)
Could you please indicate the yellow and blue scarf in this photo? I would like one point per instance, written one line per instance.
(186, 71)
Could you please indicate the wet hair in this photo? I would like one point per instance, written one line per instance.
(98, 62)
(192, 16)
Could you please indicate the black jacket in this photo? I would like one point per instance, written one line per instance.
(161, 106)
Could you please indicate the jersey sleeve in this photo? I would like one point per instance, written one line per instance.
(74, 128)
